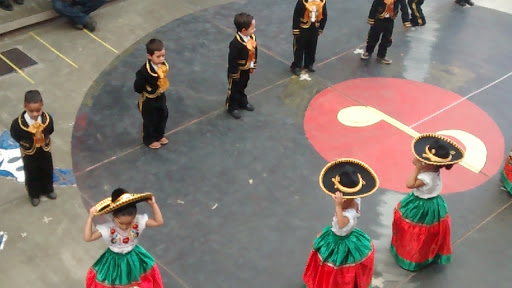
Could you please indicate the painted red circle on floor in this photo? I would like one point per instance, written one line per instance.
(387, 148)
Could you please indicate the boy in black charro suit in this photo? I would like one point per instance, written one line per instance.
(309, 19)
(381, 19)
(32, 130)
(242, 59)
(151, 83)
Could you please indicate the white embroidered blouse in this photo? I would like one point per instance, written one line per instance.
(432, 187)
(121, 241)
(352, 215)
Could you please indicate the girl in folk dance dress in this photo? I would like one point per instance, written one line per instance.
(124, 263)
(343, 255)
(421, 224)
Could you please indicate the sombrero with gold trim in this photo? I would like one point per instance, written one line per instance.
(436, 150)
(349, 176)
(106, 205)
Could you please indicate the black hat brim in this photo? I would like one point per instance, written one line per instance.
(334, 168)
(420, 143)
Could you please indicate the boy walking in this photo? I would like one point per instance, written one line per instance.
(309, 19)
(151, 83)
(32, 130)
(242, 58)
(381, 19)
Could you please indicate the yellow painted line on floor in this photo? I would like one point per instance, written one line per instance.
(101, 41)
(54, 50)
(16, 68)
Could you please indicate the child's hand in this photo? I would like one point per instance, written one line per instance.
(416, 162)
(251, 70)
(92, 211)
(152, 201)
(338, 198)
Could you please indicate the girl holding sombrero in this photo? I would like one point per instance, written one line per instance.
(421, 224)
(124, 263)
(343, 255)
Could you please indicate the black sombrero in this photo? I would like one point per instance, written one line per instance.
(349, 176)
(106, 205)
(436, 150)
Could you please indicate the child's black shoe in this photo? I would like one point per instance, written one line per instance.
(51, 195)
(34, 201)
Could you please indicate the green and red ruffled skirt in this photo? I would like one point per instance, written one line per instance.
(421, 232)
(506, 174)
(340, 261)
(136, 268)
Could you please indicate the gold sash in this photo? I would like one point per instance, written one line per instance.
(309, 9)
(37, 130)
(251, 46)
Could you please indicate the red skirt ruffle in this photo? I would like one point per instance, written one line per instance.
(319, 274)
(419, 243)
(151, 279)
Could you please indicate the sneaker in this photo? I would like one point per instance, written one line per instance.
(384, 60)
(154, 145)
(163, 141)
(469, 2)
(365, 55)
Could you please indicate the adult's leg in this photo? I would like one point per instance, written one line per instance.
(67, 10)
(89, 6)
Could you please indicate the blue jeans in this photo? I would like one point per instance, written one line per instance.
(77, 10)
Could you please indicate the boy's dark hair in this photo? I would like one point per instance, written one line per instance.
(33, 96)
(243, 21)
(128, 210)
(154, 45)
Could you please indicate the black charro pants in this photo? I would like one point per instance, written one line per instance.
(304, 47)
(237, 99)
(38, 169)
(381, 30)
(417, 17)
(154, 119)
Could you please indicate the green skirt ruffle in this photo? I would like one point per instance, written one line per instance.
(121, 269)
(423, 211)
(342, 250)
